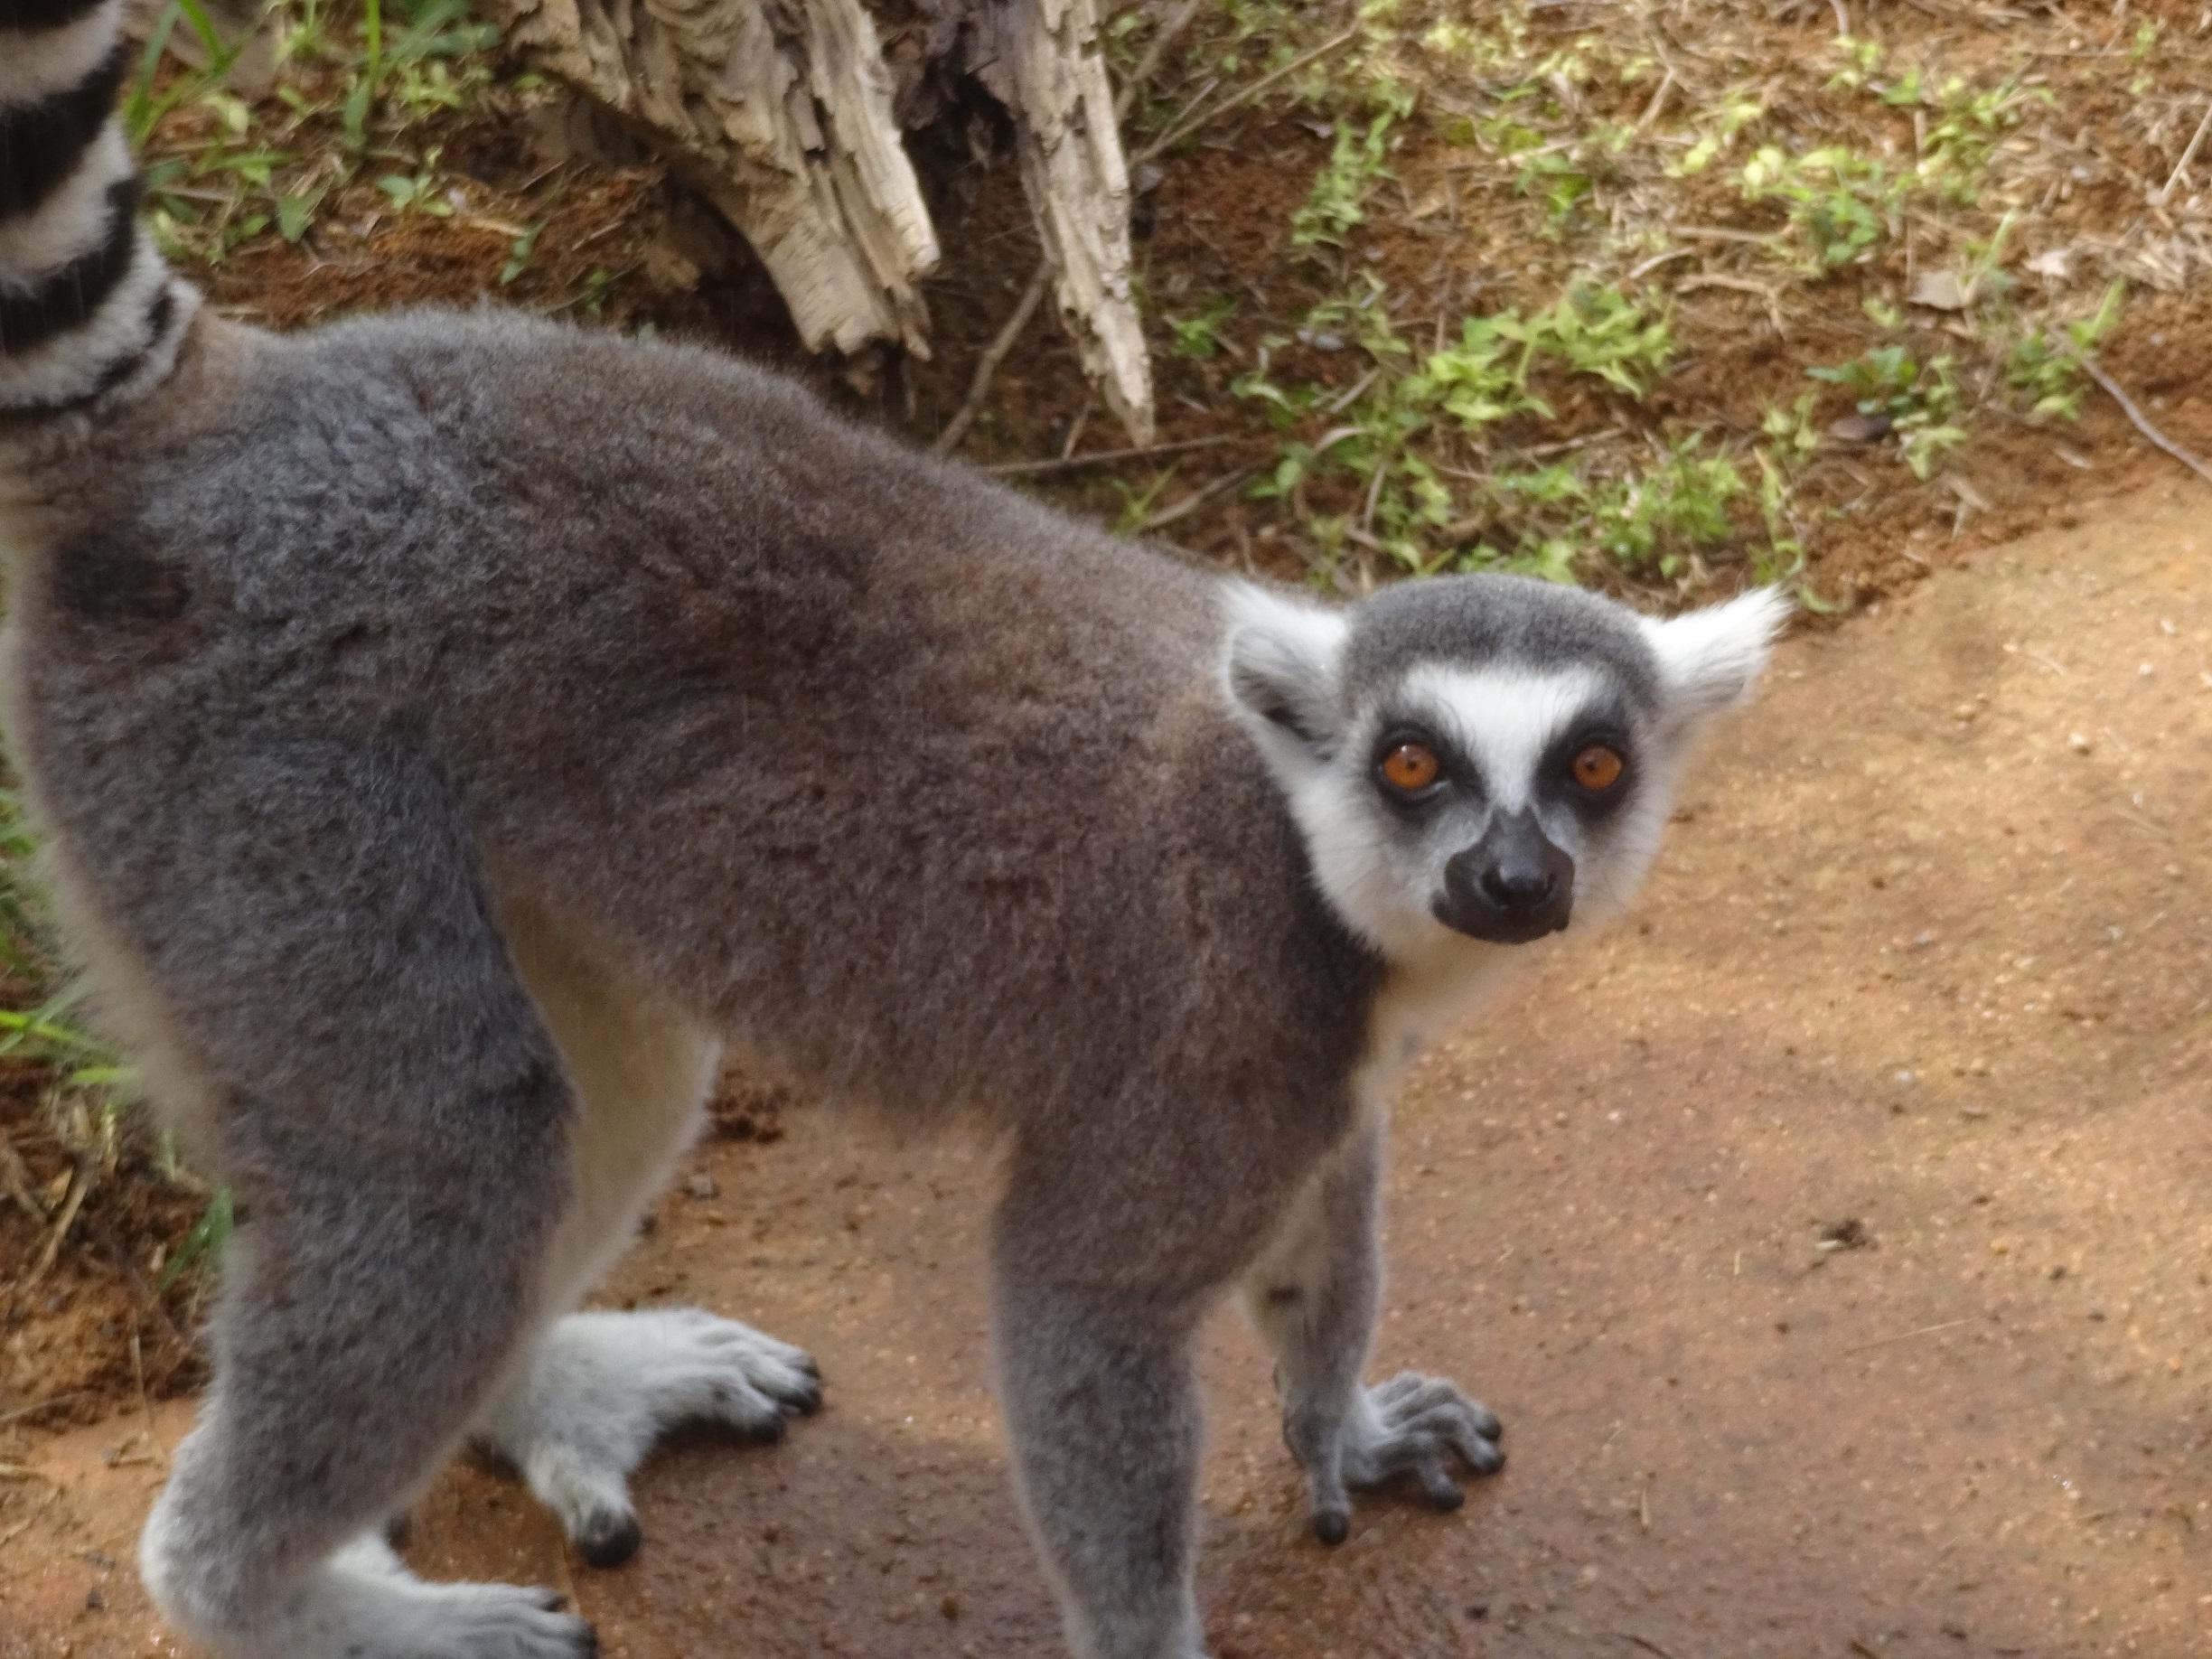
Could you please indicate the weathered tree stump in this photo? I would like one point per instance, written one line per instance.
(785, 115)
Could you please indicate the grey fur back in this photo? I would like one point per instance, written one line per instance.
(731, 678)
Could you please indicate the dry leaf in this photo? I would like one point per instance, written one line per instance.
(1938, 291)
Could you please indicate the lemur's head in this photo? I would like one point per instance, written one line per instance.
(1484, 756)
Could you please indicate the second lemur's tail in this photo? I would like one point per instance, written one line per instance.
(88, 309)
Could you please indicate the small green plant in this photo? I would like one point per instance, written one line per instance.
(47, 1033)
(519, 252)
(1790, 432)
(219, 175)
(1736, 110)
(2045, 366)
(1337, 205)
(1918, 400)
(1197, 339)
(418, 191)
(204, 1243)
(1839, 202)
(1561, 182)
(1967, 125)
(1862, 62)
(599, 285)
(47, 1037)
(1680, 501)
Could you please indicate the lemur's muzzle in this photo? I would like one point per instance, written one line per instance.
(1511, 886)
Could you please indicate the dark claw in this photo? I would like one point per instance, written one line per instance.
(551, 1601)
(770, 1430)
(1331, 1526)
(1443, 1492)
(609, 1540)
(805, 1402)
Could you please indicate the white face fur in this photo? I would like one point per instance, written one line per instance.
(1482, 760)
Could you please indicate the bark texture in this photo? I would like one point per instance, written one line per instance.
(779, 112)
(785, 115)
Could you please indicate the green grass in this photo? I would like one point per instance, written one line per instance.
(91, 1094)
(221, 175)
(1426, 447)
(1880, 196)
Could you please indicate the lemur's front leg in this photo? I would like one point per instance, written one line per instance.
(1313, 1295)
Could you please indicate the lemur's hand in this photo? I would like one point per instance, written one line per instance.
(1410, 1425)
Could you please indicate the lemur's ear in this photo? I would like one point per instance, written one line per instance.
(1281, 667)
(1710, 660)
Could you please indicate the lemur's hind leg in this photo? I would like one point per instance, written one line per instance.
(392, 1118)
(599, 1390)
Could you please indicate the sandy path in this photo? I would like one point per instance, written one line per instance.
(1931, 950)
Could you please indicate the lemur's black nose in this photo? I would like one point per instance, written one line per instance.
(1519, 884)
(1513, 885)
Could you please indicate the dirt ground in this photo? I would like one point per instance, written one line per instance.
(1926, 973)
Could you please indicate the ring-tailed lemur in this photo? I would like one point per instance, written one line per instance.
(449, 730)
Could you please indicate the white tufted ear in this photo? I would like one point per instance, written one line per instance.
(1712, 660)
(1280, 666)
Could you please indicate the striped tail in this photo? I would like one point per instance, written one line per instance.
(86, 306)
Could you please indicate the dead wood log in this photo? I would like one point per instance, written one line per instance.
(779, 113)
(1041, 59)
(784, 115)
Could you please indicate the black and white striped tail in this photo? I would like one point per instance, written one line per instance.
(86, 306)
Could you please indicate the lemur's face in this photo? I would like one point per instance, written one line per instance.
(1484, 757)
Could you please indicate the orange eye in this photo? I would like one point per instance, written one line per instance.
(1599, 768)
(1411, 767)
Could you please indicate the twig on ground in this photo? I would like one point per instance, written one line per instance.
(1075, 427)
(2157, 439)
(1242, 96)
(1192, 502)
(1170, 30)
(994, 353)
(145, 1405)
(1657, 260)
(1740, 284)
(1725, 233)
(33, 1410)
(80, 1183)
(16, 1175)
(1647, 1644)
(2166, 190)
(1924, 1330)
(1107, 457)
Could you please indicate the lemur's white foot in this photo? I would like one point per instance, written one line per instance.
(1411, 1424)
(362, 1603)
(601, 1388)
